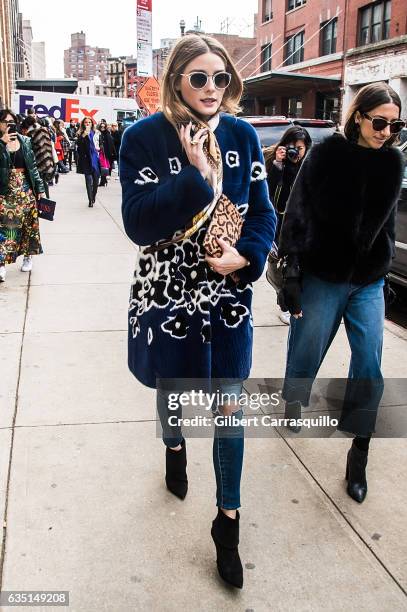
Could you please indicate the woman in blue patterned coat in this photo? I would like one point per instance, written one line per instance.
(190, 314)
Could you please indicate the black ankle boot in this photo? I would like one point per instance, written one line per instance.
(225, 534)
(293, 411)
(356, 473)
(176, 471)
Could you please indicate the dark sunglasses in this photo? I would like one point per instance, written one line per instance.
(379, 124)
(199, 80)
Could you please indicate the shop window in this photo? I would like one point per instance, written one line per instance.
(294, 107)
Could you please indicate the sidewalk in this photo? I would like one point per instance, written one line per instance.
(86, 506)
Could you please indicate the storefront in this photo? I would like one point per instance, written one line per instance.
(292, 95)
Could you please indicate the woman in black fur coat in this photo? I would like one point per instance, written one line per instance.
(338, 239)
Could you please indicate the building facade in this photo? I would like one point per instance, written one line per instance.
(133, 81)
(377, 48)
(11, 48)
(117, 76)
(38, 60)
(28, 39)
(312, 56)
(85, 62)
(93, 87)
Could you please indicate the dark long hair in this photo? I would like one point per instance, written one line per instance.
(291, 135)
(81, 130)
(6, 111)
(368, 98)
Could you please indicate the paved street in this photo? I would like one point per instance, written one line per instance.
(81, 470)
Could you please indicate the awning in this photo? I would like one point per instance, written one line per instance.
(269, 84)
(51, 85)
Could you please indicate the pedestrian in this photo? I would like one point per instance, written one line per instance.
(117, 134)
(71, 131)
(49, 124)
(61, 145)
(283, 162)
(190, 314)
(42, 147)
(338, 238)
(88, 158)
(106, 152)
(20, 187)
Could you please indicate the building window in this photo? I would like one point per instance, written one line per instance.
(267, 11)
(294, 49)
(265, 58)
(292, 4)
(374, 22)
(328, 37)
(87, 90)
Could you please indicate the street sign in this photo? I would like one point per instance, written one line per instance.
(144, 38)
(149, 95)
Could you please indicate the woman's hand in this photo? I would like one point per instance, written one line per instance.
(195, 152)
(6, 138)
(230, 260)
(281, 154)
(41, 195)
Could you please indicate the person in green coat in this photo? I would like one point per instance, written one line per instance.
(20, 187)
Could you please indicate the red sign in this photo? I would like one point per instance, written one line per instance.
(149, 95)
(144, 4)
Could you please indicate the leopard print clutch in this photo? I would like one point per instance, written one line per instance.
(226, 223)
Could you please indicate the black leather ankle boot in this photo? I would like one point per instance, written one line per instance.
(225, 534)
(176, 471)
(356, 473)
(293, 411)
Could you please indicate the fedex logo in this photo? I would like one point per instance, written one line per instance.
(67, 110)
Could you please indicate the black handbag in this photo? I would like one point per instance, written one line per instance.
(274, 269)
(46, 209)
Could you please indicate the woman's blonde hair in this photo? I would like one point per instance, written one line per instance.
(184, 51)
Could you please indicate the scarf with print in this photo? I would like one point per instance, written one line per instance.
(214, 158)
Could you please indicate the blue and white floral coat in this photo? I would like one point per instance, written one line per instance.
(186, 321)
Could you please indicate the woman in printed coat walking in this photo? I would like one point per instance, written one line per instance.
(190, 314)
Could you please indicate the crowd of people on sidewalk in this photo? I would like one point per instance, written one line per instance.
(198, 199)
(34, 152)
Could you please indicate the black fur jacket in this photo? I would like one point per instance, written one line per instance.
(340, 217)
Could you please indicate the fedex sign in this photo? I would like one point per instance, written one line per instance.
(67, 109)
(71, 106)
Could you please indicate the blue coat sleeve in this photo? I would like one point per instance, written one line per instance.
(154, 207)
(260, 222)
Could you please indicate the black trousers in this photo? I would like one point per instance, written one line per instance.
(92, 183)
(72, 156)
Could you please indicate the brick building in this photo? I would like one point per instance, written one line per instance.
(240, 48)
(133, 81)
(377, 47)
(305, 48)
(83, 61)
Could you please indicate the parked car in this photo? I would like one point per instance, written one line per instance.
(398, 273)
(271, 129)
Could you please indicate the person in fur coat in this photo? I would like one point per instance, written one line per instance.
(190, 312)
(338, 241)
(42, 146)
